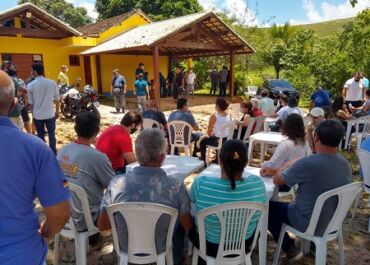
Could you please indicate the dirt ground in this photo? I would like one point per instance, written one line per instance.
(356, 237)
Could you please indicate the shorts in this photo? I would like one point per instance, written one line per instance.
(25, 115)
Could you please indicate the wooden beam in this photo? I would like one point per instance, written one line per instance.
(34, 33)
(156, 86)
(182, 35)
(192, 45)
(232, 62)
(98, 73)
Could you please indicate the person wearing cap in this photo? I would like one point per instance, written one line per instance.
(118, 89)
(28, 170)
(142, 92)
(63, 80)
(317, 115)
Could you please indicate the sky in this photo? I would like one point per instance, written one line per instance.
(260, 12)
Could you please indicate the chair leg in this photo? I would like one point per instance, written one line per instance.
(169, 257)
(320, 257)
(81, 243)
(172, 149)
(194, 260)
(56, 249)
(355, 207)
(305, 246)
(341, 248)
(161, 259)
(280, 243)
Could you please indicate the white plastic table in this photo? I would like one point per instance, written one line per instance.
(273, 138)
(176, 166)
(267, 122)
(215, 171)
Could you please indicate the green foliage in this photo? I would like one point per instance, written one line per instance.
(156, 9)
(74, 16)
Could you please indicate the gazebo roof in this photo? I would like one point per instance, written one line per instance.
(195, 35)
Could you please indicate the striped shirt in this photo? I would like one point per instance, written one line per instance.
(211, 191)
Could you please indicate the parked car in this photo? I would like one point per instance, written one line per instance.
(278, 87)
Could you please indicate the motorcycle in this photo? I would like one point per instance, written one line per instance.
(72, 102)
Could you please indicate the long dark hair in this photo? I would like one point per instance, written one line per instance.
(293, 127)
(249, 106)
(233, 156)
(337, 104)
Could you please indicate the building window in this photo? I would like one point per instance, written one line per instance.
(74, 60)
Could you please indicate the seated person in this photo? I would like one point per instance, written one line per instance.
(317, 115)
(216, 121)
(246, 109)
(116, 142)
(293, 147)
(341, 111)
(149, 183)
(320, 98)
(292, 107)
(365, 109)
(153, 113)
(256, 109)
(85, 166)
(315, 174)
(232, 186)
(266, 103)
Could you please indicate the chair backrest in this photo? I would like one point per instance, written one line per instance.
(234, 220)
(259, 124)
(364, 157)
(252, 89)
(141, 220)
(80, 205)
(235, 110)
(179, 133)
(365, 120)
(150, 123)
(227, 131)
(346, 195)
(248, 132)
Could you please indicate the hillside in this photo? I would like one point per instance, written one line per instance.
(326, 28)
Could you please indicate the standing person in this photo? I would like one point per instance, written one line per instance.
(317, 115)
(118, 89)
(223, 81)
(116, 142)
(28, 170)
(354, 91)
(315, 175)
(190, 82)
(162, 85)
(42, 93)
(85, 166)
(266, 103)
(140, 70)
(141, 92)
(63, 79)
(170, 82)
(365, 81)
(149, 183)
(179, 84)
(15, 115)
(320, 98)
(214, 81)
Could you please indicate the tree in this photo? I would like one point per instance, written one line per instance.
(274, 55)
(74, 16)
(156, 9)
(282, 32)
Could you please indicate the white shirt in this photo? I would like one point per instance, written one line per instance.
(267, 105)
(221, 121)
(354, 90)
(190, 78)
(285, 111)
(41, 95)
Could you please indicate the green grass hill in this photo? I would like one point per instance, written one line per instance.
(326, 28)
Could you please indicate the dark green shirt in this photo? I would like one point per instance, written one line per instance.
(16, 112)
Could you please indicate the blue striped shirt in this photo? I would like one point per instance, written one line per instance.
(211, 191)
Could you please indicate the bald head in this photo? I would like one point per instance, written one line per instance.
(6, 93)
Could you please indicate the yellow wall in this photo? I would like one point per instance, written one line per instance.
(127, 65)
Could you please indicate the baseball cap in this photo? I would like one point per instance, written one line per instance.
(316, 112)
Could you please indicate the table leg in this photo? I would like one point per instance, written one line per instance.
(265, 126)
(262, 242)
(250, 149)
(263, 151)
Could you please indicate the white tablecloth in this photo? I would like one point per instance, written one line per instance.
(263, 138)
(176, 166)
(215, 171)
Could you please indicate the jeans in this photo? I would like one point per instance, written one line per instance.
(278, 214)
(214, 86)
(223, 89)
(119, 101)
(213, 141)
(50, 127)
(141, 103)
(189, 89)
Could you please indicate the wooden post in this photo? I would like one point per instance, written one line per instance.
(232, 62)
(98, 74)
(156, 86)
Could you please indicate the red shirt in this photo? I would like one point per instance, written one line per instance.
(114, 142)
(257, 112)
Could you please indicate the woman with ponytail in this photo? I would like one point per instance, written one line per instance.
(231, 186)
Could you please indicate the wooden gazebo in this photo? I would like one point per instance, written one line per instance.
(191, 36)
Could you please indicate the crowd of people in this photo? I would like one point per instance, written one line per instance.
(304, 158)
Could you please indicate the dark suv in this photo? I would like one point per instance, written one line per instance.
(277, 87)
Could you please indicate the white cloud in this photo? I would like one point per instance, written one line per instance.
(328, 11)
(239, 9)
(208, 4)
(88, 4)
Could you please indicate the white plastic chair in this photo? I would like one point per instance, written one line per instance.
(365, 131)
(150, 123)
(227, 131)
(141, 219)
(70, 230)
(234, 219)
(364, 158)
(235, 110)
(248, 131)
(346, 195)
(252, 91)
(259, 124)
(176, 133)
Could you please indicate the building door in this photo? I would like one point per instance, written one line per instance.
(87, 67)
(23, 62)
